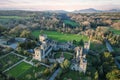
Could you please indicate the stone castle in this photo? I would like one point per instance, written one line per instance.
(47, 45)
(80, 61)
(44, 49)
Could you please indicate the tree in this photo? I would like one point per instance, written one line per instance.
(113, 75)
(65, 64)
(96, 75)
(81, 42)
(46, 72)
(2, 29)
(26, 34)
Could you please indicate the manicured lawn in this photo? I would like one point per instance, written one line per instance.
(32, 73)
(72, 23)
(8, 61)
(115, 31)
(19, 69)
(60, 36)
(67, 56)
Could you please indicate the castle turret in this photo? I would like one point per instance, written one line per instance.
(38, 53)
(42, 38)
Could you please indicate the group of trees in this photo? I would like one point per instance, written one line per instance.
(102, 33)
(55, 21)
(50, 70)
(103, 67)
(18, 31)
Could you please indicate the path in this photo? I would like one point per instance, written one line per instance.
(4, 55)
(12, 66)
(20, 55)
(18, 62)
(117, 63)
(44, 65)
(110, 49)
(55, 74)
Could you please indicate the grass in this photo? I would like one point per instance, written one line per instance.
(19, 69)
(74, 75)
(72, 23)
(61, 37)
(115, 31)
(97, 46)
(8, 61)
(116, 20)
(6, 19)
(13, 17)
(31, 72)
(66, 55)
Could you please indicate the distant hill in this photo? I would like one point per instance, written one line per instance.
(92, 10)
(57, 11)
(113, 10)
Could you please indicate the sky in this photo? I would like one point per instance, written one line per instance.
(68, 5)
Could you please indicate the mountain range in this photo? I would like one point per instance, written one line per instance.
(92, 10)
(89, 10)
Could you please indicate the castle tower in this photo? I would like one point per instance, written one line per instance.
(87, 46)
(42, 38)
(81, 52)
(38, 53)
(83, 64)
(78, 52)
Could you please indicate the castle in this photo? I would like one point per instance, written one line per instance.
(47, 45)
(80, 61)
(43, 50)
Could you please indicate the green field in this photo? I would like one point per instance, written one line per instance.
(116, 20)
(72, 23)
(115, 31)
(8, 61)
(31, 73)
(6, 19)
(61, 37)
(66, 55)
(13, 17)
(19, 69)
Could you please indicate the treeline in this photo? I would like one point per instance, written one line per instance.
(102, 67)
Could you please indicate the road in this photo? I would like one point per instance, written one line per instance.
(117, 63)
(110, 49)
(55, 74)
